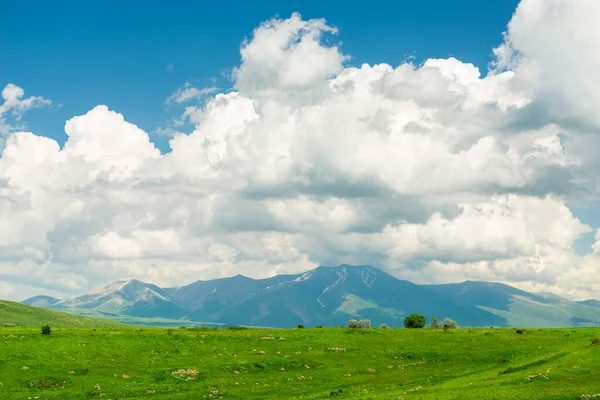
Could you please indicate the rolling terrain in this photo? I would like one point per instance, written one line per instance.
(17, 314)
(327, 296)
(341, 363)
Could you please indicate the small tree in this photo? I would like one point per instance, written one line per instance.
(353, 324)
(415, 321)
(447, 323)
(46, 329)
(383, 326)
(364, 323)
(435, 323)
(300, 326)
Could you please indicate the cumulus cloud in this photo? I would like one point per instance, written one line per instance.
(14, 105)
(435, 172)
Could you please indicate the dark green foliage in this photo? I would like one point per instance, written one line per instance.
(46, 329)
(521, 331)
(415, 321)
(319, 326)
(336, 393)
(300, 326)
(596, 340)
(237, 328)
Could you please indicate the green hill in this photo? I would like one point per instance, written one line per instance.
(18, 314)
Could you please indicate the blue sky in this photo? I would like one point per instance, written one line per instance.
(81, 54)
(315, 153)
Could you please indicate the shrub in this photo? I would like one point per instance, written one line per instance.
(237, 328)
(169, 332)
(383, 326)
(319, 326)
(521, 331)
(300, 326)
(435, 323)
(364, 323)
(415, 321)
(447, 323)
(46, 329)
(596, 340)
(353, 324)
(335, 394)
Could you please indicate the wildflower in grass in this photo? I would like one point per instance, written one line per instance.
(25, 367)
(71, 372)
(125, 376)
(372, 370)
(236, 372)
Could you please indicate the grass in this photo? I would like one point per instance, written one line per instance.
(18, 314)
(158, 363)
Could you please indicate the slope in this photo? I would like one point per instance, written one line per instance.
(18, 314)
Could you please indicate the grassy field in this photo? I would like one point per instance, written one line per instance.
(158, 363)
(18, 314)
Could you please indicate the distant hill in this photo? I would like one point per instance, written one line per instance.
(327, 296)
(41, 301)
(18, 314)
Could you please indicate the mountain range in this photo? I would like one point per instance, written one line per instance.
(327, 296)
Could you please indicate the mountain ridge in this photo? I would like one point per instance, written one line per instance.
(329, 296)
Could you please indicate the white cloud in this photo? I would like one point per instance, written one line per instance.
(189, 93)
(14, 105)
(433, 172)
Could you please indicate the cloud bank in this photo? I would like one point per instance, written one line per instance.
(434, 172)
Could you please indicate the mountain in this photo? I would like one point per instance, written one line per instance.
(520, 308)
(41, 301)
(18, 314)
(591, 302)
(328, 296)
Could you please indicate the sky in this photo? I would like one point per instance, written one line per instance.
(440, 141)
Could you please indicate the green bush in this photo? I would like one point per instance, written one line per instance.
(521, 331)
(596, 340)
(46, 329)
(237, 328)
(319, 326)
(415, 321)
(300, 326)
(383, 326)
(435, 323)
(447, 323)
(353, 324)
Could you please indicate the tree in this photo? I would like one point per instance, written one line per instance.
(364, 323)
(448, 324)
(435, 323)
(353, 324)
(415, 321)
(46, 329)
(383, 326)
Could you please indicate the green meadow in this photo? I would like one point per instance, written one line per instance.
(312, 363)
